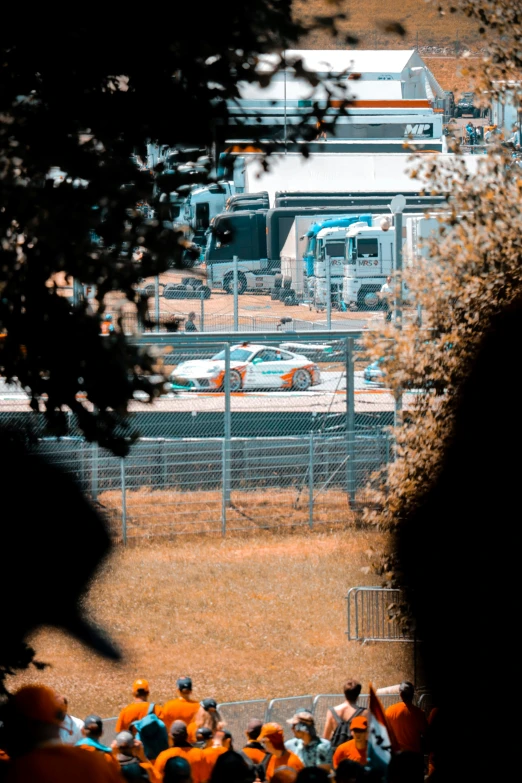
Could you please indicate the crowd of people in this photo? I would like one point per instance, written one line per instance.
(187, 741)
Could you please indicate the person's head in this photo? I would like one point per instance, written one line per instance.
(177, 770)
(349, 771)
(253, 728)
(204, 737)
(192, 315)
(140, 689)
(125, 743)
(272, 737)
(231, 767)
(35, 715)
(178, 733)
(406, 692)
(303, 725)
(313, 775)
(359, 730)
(92, 727)
(223, 737)
(352, 688)
(388, 279)
(184, 685)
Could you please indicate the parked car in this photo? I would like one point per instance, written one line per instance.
(374, 372)
(251, 367)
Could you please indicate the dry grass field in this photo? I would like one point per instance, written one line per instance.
(246, 617)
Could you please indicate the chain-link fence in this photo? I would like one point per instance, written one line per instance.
(276, 431)
(370, 617)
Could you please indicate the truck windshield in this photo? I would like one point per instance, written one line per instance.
(236, 355)
(367, 248)
(335, 249)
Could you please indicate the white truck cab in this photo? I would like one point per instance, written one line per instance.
(370, 254)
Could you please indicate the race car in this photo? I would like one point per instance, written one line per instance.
(251, 367)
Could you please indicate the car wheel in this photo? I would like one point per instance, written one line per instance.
(302, 380)
(206, 291)
(235, 381)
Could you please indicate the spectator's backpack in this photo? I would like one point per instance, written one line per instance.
(131, 770)
(342, 730)
(153, 734)
(258, 769)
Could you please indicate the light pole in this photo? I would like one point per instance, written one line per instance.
(397, 205)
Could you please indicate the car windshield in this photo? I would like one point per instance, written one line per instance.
(236, 355)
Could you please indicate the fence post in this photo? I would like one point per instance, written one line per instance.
(202, 311)
(236, 318)
(163, 462)
(227, 438)
(311, 480)
(123, 502)
(350, 420)
(94, 471)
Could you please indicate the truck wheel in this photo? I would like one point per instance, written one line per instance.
(206, 291)
(353, 307)
(149, 290)
(302, 380)
(278, 280)
(228, 283)
(274, 293)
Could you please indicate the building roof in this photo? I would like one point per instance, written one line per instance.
(364, 61)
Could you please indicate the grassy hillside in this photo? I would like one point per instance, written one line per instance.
(424, 26)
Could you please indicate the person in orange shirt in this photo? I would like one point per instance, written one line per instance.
(138, 708)
(208, 716)
(272, 738)
(181, 747)
(254, 749)
(36, 753)
(221, 742)
(356, 748)
(183, 707)
(408, 722)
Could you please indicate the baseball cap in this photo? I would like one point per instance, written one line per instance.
(140, 685)
(209, 704)
(204, 732)
(270, 730)
(92, 721)
(302, 717)
(178, 727)
(184, 684)
(38, 702)
(359, 723)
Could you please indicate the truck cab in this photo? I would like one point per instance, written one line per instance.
(203, 204)
(370, 253)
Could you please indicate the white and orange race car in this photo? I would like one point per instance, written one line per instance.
(251, 367)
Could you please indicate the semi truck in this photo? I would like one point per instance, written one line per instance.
(370, 257)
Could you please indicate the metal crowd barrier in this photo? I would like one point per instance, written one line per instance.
(237, 714)
(368, 615)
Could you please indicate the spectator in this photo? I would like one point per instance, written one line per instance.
(107, 325)
(349, 771)
(515, 138)
(349, 706)
(407, 722)
(204, 738)
(177, 770)
(208, 716)
(138, 708)
(232, 767)
(92, 732)
(181, 747)
(71, 728)
(33, 719)
(254, 749)
(132, 761)
(183, 707)
(313, 774)
(190, 326)
(273, 739)
(354, 749)
(284, 775)
(385, 294)
(311, 749)
(220, 743)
